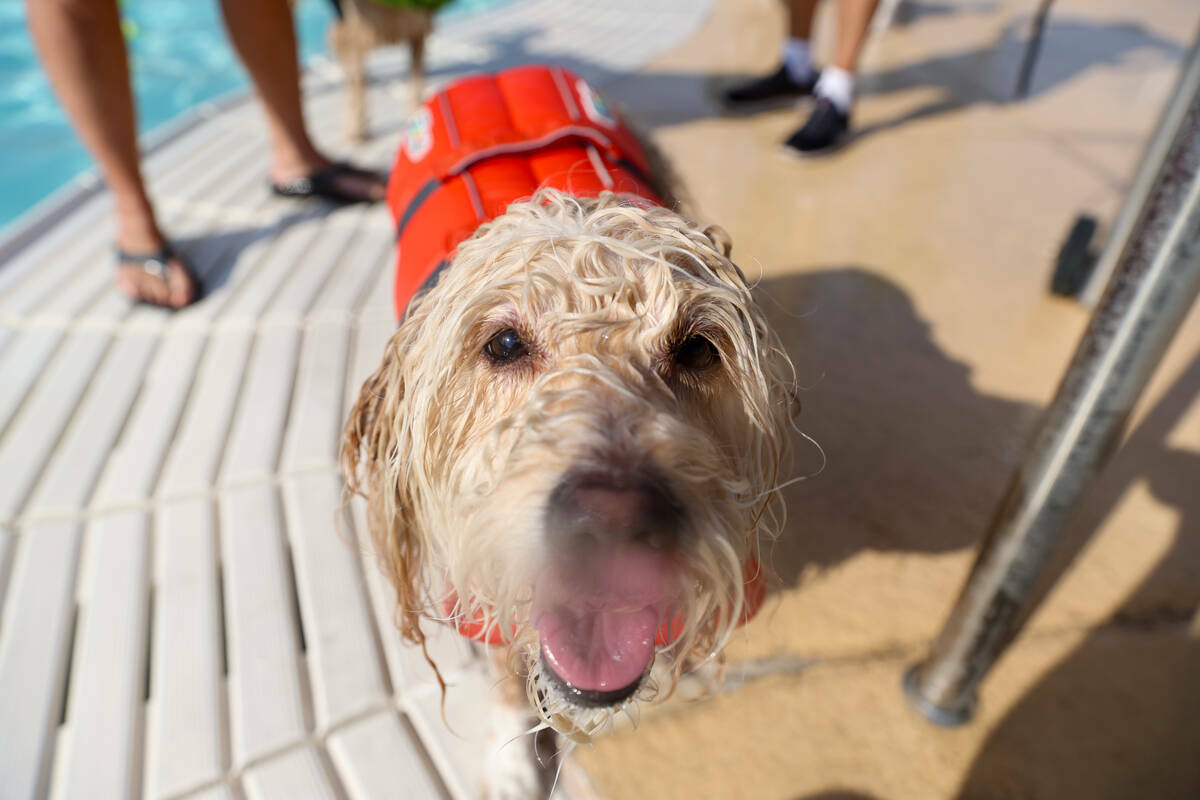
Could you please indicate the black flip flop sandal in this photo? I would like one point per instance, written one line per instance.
(156, 264)
(324, 184)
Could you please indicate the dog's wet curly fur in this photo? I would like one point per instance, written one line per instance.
(641, 351)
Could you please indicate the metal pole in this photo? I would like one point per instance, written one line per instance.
(1032, 49)
(1155, 282)
(1135, 199)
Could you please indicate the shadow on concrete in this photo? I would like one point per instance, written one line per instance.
(214, 256)
(655, 98)
(917, 457)
(978, 75)
(1119, 716)
(910, 12)
(988, 75)
(917, 461)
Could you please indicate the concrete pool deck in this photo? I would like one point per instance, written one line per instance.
(181, 619)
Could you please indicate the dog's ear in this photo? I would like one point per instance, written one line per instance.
(720, 239)
(375, 458)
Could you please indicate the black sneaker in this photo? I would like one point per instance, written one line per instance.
(777, 85)
(825, 130)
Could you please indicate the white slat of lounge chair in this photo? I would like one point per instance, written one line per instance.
(34, 346)
(90, 220)
(100, 745)
(196, 453)
(137, 458)
(267, 695)
(261, 279)
(72, 472)
(231, 232)
(378, 301)
(31, 436)
(7, 334)
(382, 597)
(219, 792)
(62, 310)
(370, 340)
(83, 238)
(459, 751)
(34, 642)
(409, 670)
(315, 425)
(371, 250)
(300, 774)
(380, 757)
(186, 734)
(195, 161)
(21, 365)
(205, 178)
(257, 433)
(319, 261)
(230, 264)
(7, 544)
(192, 462)
(82, 293)
(344, 662)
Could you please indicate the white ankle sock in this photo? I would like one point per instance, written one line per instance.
(796, 59)
(837, 86)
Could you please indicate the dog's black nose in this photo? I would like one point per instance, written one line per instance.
(600, 509)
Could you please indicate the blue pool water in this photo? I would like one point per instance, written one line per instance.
(179, 57)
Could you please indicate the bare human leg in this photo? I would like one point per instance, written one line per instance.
(801, 14)
(83, 52)
(263, 36)
(853, 19)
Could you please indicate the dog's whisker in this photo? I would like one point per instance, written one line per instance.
(799, 478)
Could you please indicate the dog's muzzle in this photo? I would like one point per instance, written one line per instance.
(610, 582)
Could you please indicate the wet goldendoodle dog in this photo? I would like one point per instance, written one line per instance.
(575, 441)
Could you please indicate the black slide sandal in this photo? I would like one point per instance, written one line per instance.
(324, 184)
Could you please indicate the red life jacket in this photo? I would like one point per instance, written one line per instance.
(486, 141)
(479, 145)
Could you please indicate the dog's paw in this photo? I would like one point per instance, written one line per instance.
(512, 771)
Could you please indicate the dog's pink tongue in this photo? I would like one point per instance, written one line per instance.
(601, 637)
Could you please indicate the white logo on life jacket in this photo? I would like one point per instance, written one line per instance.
(594, 105)
(418, 140)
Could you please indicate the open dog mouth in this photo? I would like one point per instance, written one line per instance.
(598, 622)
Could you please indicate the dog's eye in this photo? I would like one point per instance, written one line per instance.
(697, 353)
(505, 346)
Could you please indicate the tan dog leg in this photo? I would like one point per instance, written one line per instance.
(345, 42)
(356, 96)
(416, 77)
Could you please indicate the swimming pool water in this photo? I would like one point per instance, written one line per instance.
(178, 57)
